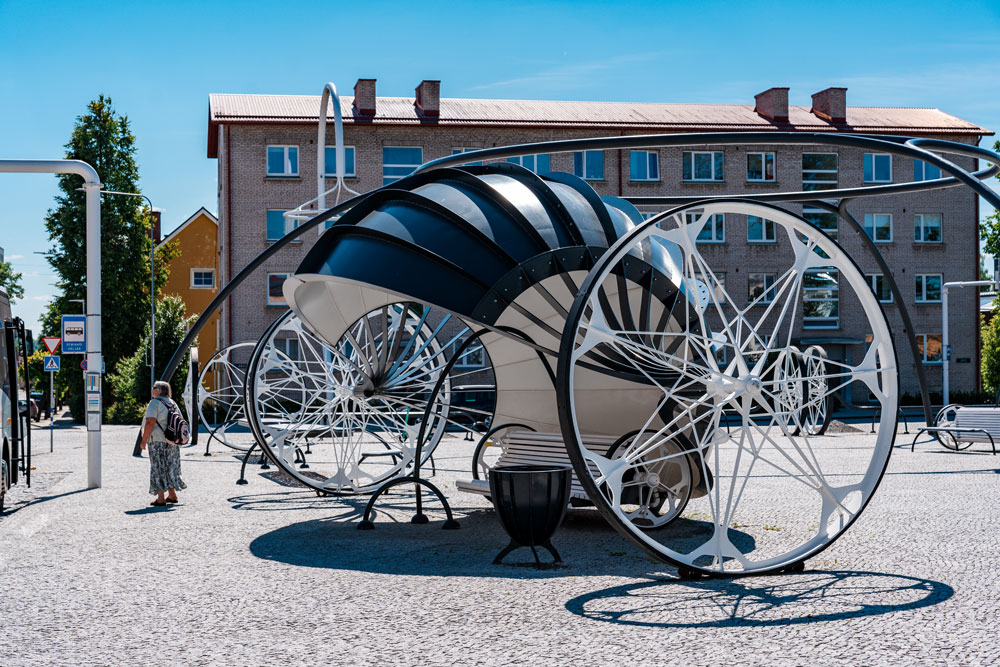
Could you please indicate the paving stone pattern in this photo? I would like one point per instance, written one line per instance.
(270, 574)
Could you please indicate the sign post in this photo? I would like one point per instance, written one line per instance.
(51, 364)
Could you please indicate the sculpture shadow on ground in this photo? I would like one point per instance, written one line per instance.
(588, 545)
(788, 599)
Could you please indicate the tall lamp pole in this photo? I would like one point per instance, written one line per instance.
(152, 285)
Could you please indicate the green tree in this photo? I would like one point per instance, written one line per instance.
(10, 282)
(130, 381)
(104, 139)
(990, 233)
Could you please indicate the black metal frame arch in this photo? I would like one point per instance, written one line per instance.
(917, 148)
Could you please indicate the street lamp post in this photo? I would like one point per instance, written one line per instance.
(152, 285)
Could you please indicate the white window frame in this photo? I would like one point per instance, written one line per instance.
(920, 293)
(282, 344)
(764, 240)
(873, 279)
(763, 161)
(650, 155)
(347, 174)
(288, 164)
(584, 155)
(874, 178)
(395, 179)
(290, 224)
(923, 170)
(716, 222)
(922, 346)
(267, 291)
(459, 150)
(757, 301)
(835, 172)
(810, 322)
(202, 269)
(870, 217)
(832, 233)
(530, 162)
(920, 226)
(715, 178)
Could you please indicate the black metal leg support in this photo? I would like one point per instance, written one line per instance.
(419, 517)
(243, 468)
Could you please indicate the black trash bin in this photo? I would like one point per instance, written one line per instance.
(531, 501)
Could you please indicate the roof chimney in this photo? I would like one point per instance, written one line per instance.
(429, 97)
(831, 105)
(364, 96)
(773, 104)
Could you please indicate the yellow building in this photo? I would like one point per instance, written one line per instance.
(194, 274)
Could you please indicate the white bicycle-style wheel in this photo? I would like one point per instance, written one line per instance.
(220, 404)
(767, 494)
(816, 413)
(343, 419)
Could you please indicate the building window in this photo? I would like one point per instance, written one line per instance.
(589, 165)
(646, 215)
(760, 167)
(878, 226)
(282, 160)
(760, 230)
(820, 299)
(288, 346)
(878, 168)
(923, 171)
(821, 219)
(467, 149)
(927, 228)
(473, 356)
(202, 278)
(714, 230)
(928, 287)
(275, 297)
(399, 162)
(644, 166)
(761, 287)
(721, 295)
(536, 163)
(278, 225)
(880, 286)
(702, 166)
(330, 158)
(819, 171)
(930, 348)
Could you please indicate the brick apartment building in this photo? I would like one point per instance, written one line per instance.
(266, 151)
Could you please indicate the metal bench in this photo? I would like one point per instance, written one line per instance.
(962, 426)
(531, 448)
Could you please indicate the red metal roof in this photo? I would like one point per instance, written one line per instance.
(301, 109)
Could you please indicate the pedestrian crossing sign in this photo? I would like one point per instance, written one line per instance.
(50, 363)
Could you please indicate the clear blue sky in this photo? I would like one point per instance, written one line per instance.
(159, 61)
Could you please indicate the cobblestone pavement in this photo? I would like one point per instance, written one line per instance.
(272, 574)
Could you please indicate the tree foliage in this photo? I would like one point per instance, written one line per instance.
(10, 282)
(104, 139)
(131, 379)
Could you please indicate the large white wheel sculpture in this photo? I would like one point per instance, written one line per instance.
(343, 419)
(768, 497)
(221, 407)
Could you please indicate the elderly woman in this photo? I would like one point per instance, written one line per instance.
(164, 457)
